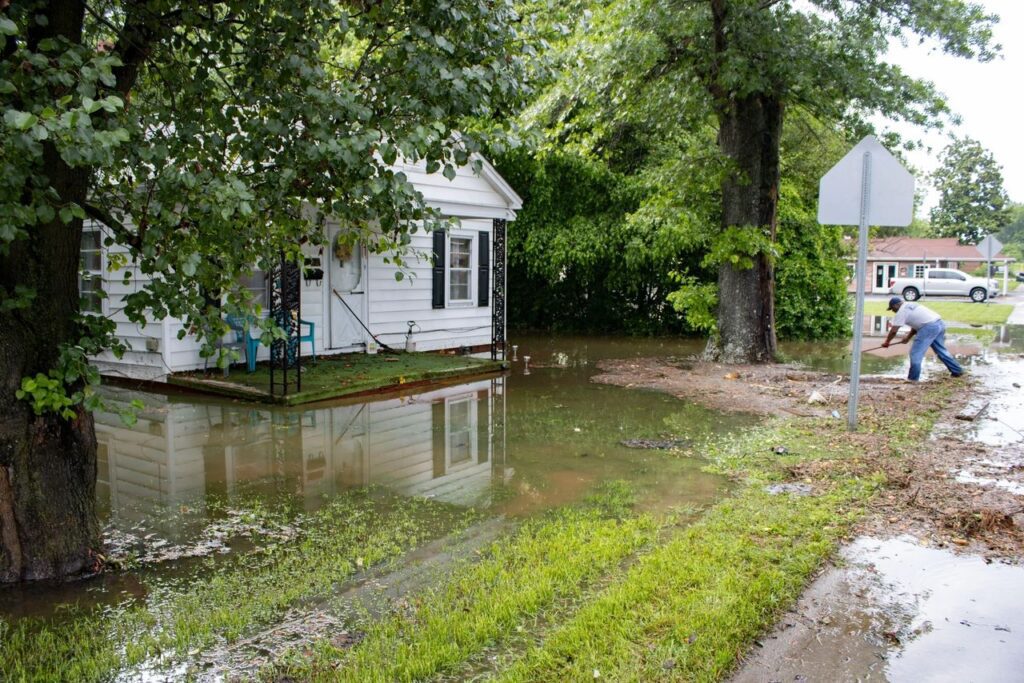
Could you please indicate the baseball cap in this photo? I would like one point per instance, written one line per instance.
(894, 303)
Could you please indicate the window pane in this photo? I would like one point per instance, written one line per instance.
(459, 285)
(88, 288)
(460, 252)
(460, 447)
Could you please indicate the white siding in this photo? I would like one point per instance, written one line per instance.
(475, 199)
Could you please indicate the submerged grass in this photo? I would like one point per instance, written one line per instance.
(356, 530)
(648, 600)
(551, 558)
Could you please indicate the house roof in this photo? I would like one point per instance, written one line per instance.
(924, 249)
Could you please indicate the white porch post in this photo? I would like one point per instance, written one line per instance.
(1006, 272)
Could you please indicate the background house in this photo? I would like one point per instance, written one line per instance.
(893, 257)
(453, 291)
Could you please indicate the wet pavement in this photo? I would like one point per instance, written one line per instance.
(902, 613)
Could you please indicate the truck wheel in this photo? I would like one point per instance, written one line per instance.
(911, 294)
(977, 295)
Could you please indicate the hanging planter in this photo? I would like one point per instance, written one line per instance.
(342, 249)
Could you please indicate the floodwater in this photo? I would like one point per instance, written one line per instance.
(902, 613)
(183, 486)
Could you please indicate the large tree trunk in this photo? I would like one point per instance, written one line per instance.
(749, 132)
(48, 525)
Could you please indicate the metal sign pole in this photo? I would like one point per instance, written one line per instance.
(988, 271)
(862, 264)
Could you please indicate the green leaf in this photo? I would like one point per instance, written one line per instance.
(20, 120)
(8, 27)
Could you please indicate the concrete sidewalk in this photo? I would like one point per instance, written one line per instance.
(1017, 299)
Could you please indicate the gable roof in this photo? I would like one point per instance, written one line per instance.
(924, 249)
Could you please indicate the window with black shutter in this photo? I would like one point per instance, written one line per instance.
(484, 270)
(438, 271)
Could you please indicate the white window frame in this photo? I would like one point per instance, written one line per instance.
(472, 239)
(92, 273)
(471, 429)
(919, 269)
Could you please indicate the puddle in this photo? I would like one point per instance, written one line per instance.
(900, 612)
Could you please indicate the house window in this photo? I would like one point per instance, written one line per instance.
(460, 430)
(460, 270)
(90, 275)
(919, 270)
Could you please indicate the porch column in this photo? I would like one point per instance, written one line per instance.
(1006, 273)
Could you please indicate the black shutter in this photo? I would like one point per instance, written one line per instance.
(484, 270)
(438, 273)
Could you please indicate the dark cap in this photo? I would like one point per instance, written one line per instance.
(894, 303)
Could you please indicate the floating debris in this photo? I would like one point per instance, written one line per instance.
(655, 444)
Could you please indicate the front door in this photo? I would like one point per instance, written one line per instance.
(347, 294)
(884, 272)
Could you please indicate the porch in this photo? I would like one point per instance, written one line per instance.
(341, 376)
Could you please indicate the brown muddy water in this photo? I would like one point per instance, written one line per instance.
(197, 481)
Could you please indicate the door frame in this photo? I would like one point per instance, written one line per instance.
(890, 271)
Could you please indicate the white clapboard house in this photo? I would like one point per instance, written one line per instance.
(454, 300)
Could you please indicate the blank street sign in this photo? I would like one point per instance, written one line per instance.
(891, 196)
(989, 246)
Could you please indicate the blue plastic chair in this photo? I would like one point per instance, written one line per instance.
(309, 337)
(242, 337)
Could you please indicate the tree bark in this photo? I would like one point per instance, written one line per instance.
(48, 525)
(749, 134)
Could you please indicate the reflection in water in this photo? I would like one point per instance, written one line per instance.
(438, 444)
(515, 445)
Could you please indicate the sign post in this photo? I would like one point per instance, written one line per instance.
(867, 187)
(990, 246)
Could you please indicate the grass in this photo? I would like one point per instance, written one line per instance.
(360, 529)
(617, 598)
(343, 375)
(548, 560)
(955, 311)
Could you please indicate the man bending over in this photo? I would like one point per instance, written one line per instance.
(926, 329)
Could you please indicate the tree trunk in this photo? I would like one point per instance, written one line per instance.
(48, 525)
(749, 133)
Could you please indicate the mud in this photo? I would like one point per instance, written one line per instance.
(784, 390)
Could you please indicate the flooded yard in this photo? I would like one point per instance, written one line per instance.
(241, 534)
(201, 488)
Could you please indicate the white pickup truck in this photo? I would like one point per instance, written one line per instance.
(943, 282)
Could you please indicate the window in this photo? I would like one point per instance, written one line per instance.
(90, 276)
(460, 269)
(460, 428)
(919, 270)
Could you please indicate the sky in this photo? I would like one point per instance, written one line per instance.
(988, 97)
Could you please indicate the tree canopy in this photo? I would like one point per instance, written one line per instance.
(972, 201)
(694, 96)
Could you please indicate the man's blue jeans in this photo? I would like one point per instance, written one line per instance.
(933, 335)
